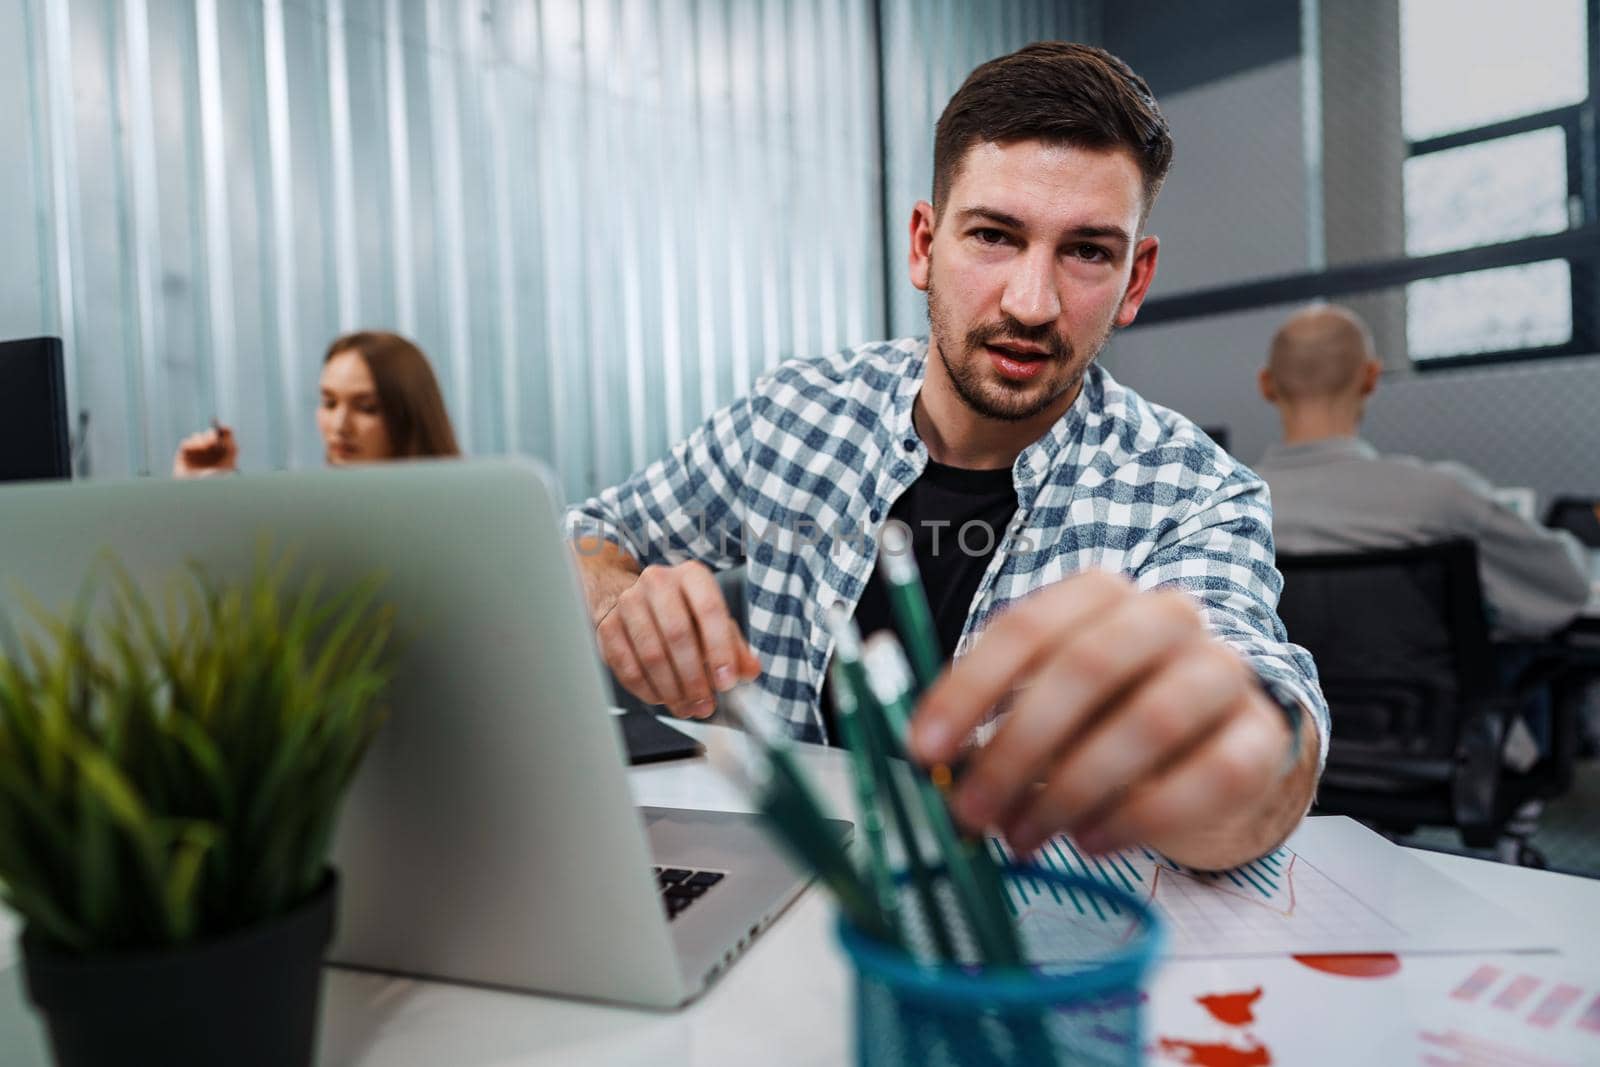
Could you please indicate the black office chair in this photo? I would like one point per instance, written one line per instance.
(1419, 711)
(1578, 515)
(1219, 434)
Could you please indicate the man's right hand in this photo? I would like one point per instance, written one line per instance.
(670, 639)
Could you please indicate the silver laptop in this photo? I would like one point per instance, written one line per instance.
(490, 836)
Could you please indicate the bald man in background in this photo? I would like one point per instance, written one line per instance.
(1333, 492)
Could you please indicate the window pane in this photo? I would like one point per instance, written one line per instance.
(1526, 306)
(1485, 193)
(1467, 63)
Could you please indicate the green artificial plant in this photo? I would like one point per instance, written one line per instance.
(168, 776)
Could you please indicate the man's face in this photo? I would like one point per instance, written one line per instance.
(1034, 259)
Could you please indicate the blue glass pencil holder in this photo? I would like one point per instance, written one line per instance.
(1089, 947)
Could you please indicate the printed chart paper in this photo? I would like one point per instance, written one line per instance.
(1511, 1010)
(1335, 887)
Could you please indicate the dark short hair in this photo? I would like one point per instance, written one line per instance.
(1061, 93)
(408, 393)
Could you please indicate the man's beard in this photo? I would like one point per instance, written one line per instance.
(999, 399)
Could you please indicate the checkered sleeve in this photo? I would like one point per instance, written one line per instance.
(682, 506)
(1221, 552)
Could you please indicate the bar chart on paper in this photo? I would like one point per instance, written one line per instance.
(1266, 907)
(1542, 1002)
(1317, 894)
(1503, 1009)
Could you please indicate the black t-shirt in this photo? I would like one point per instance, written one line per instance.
(957, 518)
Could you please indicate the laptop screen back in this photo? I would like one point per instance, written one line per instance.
(490, 835)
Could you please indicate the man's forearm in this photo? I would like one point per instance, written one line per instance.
(606, 572)
(1257, 830)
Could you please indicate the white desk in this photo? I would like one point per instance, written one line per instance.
(788, 1001)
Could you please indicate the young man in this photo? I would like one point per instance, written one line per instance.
(1088, 554)
(1333, 492)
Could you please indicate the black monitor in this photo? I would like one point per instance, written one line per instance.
(1578, 515)
(33, 411)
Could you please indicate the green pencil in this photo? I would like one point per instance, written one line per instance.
(847, 661)
(785, 798)
(867, 804)
(920, 639)
(968, 862)
(908, 601)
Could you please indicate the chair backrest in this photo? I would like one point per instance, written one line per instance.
(1579, 515)
(1400, 640)
(1219, 434)
(33, 411)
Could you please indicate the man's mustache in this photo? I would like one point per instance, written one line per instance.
(1009, 329)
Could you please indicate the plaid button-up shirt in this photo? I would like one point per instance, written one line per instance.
(795, 482)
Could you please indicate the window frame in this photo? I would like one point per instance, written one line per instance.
(1578, 244)
(1576, 121)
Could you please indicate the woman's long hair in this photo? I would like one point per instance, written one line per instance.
(408, 393)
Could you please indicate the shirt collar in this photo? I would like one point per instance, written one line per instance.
(905, 394)
(1318, 451)
(1041, 457)
(1034, 461)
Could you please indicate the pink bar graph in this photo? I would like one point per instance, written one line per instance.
(1590, 1020)
(1471, 1050)
(1554, 1004)
(1512, 996)
(1476, 983)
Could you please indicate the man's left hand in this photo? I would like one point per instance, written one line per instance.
(1131, 723)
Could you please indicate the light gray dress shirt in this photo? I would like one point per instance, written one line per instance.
(1340, 495)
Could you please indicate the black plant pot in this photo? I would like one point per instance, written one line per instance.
(248, 999)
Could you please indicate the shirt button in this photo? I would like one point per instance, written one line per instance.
(873, 514)
(910, 444)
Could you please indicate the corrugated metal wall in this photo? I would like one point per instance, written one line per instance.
(601, 218)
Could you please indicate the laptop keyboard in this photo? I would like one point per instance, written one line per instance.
(681, 886)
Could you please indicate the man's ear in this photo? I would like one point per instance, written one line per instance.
(1269, 388)
(1144, 272)
(1370, 373)
(921, 259)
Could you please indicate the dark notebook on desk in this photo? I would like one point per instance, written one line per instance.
(649, 740)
